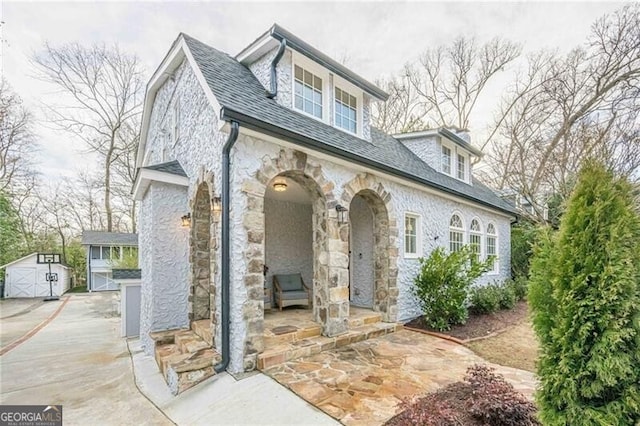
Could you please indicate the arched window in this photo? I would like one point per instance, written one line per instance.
(456, 233)
(475, 238)
(491, 248)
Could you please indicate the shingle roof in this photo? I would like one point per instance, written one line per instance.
(172, 167)
(238, 90)
(95, 238)
(126, 274)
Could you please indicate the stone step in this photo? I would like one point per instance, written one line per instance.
(290, 334)
(164, 337)
(189, 342)
(362, 319)
(191, 369)
(203, 329)
(288, 351)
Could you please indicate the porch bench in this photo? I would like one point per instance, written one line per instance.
(291, 290)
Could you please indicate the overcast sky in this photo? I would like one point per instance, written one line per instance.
(375, 39)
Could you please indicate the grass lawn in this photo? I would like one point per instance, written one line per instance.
(516, 347)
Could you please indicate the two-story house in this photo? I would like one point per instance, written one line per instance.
(271, 159)
(105, 250)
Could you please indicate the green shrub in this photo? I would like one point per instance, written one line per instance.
(523, 237)
(519, 285)
(485, 299)
(585, 297)
(442, 286)
(508, 297)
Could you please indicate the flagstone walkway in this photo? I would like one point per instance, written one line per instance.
(361, 384)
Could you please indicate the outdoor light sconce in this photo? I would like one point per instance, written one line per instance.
(280, 185)
(216, 208)
(186, 220)
(342, 213)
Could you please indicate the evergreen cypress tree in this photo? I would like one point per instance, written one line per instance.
(585, 297)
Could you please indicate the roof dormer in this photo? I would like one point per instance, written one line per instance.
(446, 151)
(302, 78)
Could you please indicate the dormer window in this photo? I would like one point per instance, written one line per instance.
(462, 167)
(446, 160)
(346, 111)
(308, 92)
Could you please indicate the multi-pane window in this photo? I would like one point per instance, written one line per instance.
(456, 233)
(411, 236)
(475, 238)
(462, 167)
(308, 92)
(346, 108)
(446, 160)
(491, 243)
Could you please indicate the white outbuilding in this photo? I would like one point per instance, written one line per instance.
(27, 276)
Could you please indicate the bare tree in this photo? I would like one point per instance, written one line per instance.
(104, 91)
(402, 112)
(17, 143)
(570, 108)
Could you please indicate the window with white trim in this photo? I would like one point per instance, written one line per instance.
(307, 92)
(456, 233)
(475, 238)
(462, 167)
(411, 235)
(491, 243)
(446, 160)
(346, 111)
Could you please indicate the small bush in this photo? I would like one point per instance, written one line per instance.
(442, 286)
(496, 402)
(508, 297)
(520, 287)
(486, 299)
(483, 398)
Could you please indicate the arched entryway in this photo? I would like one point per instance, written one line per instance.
(372, 254)
(202, 290)
(362, 252)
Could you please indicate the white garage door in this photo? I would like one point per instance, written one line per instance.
(102, 281)
(42, 285)
(22, 282)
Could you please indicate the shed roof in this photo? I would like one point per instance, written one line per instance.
(95, 238)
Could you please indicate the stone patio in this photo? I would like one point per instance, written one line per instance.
(362, 383)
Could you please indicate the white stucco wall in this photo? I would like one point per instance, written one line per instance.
(361, 246)
(426, 148)
(288, 240)
(164, 250)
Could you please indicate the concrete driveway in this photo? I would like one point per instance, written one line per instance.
(77, 359)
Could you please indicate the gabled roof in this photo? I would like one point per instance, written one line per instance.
(442, 131)
(97, 238)
(28, 256)
(242, 98)
(171, 167)
(276, 32)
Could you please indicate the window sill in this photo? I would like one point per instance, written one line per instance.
(412, 256)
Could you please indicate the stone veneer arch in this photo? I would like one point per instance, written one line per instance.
(385, 296)
(202, 290)
(330, 240)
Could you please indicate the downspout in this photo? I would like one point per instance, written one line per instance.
(274, 72)
(225, 266)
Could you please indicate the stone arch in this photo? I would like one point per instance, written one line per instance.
(378, 199)
(330, 304)
(202, 291)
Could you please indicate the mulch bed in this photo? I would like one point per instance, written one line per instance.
(481, 325)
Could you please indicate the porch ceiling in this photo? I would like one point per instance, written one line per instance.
(293, 194)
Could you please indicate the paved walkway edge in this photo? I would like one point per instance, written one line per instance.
(34, 330)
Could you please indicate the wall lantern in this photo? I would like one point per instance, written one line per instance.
(342, 213)
(186, 220)
(280, 185)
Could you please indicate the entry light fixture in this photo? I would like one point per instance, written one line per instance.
(280, 185)
(342, 213)
(186, 220)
